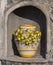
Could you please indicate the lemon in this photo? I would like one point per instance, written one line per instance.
(27, 43)
(18, 30)
(22, 37)
(37, 31)
(32, 34)
(33, 40)
(40, 33)
(35, 35)
(27, 33)
(21, 32)
(28, 40)
(19, 39)
(16, 33)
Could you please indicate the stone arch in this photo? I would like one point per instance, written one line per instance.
(26, 3)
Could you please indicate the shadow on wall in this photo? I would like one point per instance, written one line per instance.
(14, 47)
(35, 14)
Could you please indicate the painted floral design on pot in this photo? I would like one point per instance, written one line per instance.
(27, 39)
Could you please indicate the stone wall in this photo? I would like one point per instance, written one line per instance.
(4, 4)
(51, 23)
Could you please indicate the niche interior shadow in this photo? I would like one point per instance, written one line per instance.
(35, 14)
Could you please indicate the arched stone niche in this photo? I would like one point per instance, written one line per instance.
(44, 25)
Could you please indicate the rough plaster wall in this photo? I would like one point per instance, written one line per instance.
(1, 26)
(51, 23)
(9, 1)
(2, 7)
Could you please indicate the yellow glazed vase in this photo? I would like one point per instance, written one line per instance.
(27, 51)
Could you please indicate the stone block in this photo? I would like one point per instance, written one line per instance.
(14, 1)
(50, 2)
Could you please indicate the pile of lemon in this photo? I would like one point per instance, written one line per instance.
(28, 36)
(19, 34)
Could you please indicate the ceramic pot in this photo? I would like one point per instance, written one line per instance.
(27, 51)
